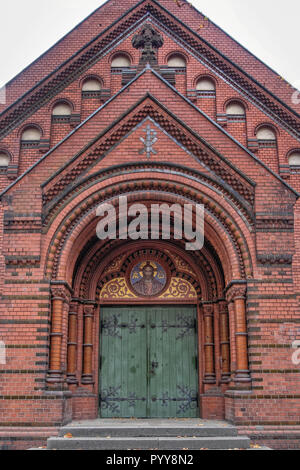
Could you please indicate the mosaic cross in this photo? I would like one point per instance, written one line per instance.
(148, 142)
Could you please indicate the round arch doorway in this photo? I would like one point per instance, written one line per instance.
(86, 272)
(153, 340)
(149, 347)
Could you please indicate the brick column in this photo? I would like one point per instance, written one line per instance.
(72, 344)
(55, 373)
(224, 342)
(217, 347)
(87, 371)
(237, 295)
(208, 315)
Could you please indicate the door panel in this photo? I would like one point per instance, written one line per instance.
(173, 380)
(148, 362)
(123, 379)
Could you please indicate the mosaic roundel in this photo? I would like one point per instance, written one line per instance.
(148, 278)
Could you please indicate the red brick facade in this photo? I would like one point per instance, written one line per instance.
(53, 269)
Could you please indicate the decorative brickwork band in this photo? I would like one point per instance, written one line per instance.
(87, 370)
(237, 295)
(208, 315)
(224, 342)
(55, 373)
(72, 344)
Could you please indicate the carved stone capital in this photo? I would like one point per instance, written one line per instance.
(58, 293)
(223, 307)
(236, 291)
(88, 310)
(73, 310)
(208, 310)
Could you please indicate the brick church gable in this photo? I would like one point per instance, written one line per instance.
(83, 60)
(152, 101)
(89, 161)
(111, 11)
(223, 169)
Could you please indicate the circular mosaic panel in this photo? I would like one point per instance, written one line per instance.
(148, 278)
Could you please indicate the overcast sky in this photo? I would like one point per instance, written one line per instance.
(268, 28)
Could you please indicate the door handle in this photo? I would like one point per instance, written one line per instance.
(154, 365)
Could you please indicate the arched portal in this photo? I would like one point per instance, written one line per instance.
(145, 328)
(148, 334)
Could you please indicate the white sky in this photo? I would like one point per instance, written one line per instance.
(268, 28)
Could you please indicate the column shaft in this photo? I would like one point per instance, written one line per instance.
(237, 295)
(224, 342)
(210, 375)
(57, 302)
(72, 345)
(87, 372)
(242, 373)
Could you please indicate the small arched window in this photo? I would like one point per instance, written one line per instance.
(266, 133)
(120, 61)
(235, 109)
(294, 159)
(205, 84)
(91, 84)
(4, 159)
(177, 61)
(62, 109)
(31, 134)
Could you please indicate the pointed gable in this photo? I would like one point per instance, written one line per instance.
(143, 103)
(186, 60)
(216, 156)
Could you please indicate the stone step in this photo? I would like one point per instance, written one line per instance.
(148, 443)
(149, 431)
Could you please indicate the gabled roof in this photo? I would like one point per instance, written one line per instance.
(183, 10)
(87, 55)
(241, 56)
(186, 100)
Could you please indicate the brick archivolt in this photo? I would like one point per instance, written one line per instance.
(99, 269)
(222, 229)
(115, 274)
(94, 266)
(97, 264)
(136, 168)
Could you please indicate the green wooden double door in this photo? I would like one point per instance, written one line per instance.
(148, 362)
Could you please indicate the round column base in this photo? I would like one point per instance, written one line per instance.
(54, 377)
(72, 380)
(209, 379)
(226, 378)
(87, 379)
(242, 376)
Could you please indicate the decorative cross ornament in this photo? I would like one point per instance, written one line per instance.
(149, 40)
(148, 142)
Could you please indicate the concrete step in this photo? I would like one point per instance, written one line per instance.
(145, 434)
(148, 443)
(150, 431)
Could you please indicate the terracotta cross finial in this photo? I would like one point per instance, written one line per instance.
(149, 40)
